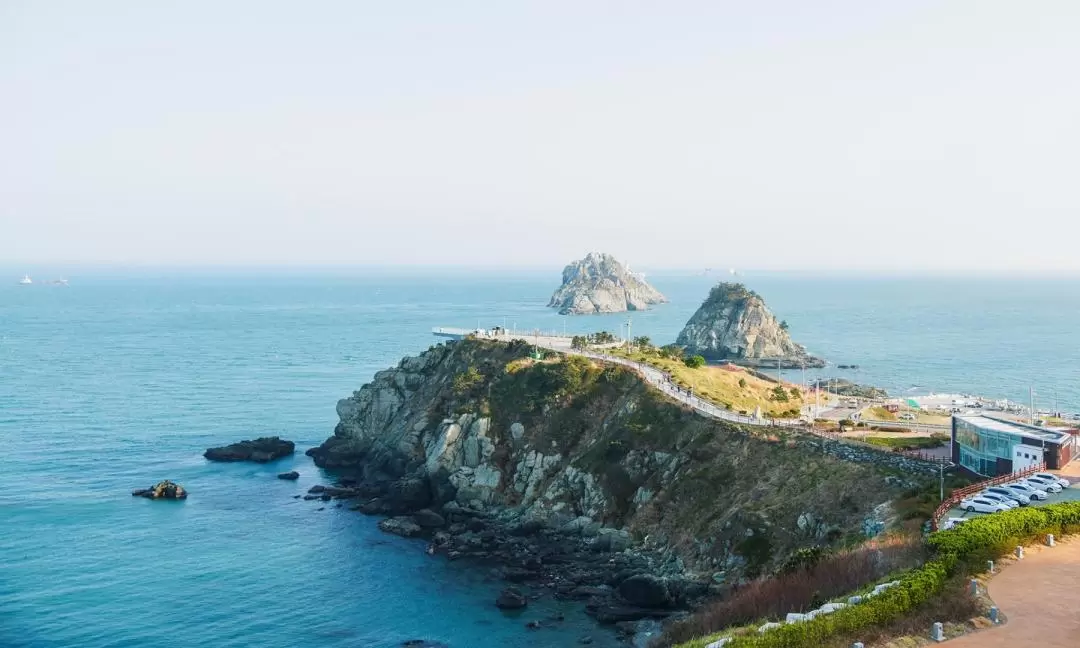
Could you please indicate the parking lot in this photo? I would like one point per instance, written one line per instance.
(1070, 494)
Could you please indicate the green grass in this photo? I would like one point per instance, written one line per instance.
(907, 443)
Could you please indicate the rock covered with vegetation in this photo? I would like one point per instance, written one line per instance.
(261, 450)
(579, 475)
(734, 325)
(844, 387)
(600, 284)
(162, 490)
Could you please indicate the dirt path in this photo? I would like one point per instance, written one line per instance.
(1038, 596)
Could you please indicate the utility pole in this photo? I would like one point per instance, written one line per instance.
(1031, 403)
(628, 318)
(941, 476)
(779, 378)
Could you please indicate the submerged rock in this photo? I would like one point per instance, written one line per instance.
(162, 490)
(260, 450)
(734, 325)
(291, 475)
(401, 526)
(511, 598)
(600, 284)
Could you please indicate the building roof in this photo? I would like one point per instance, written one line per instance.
(1012, 427)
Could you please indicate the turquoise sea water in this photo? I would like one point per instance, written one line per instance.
(122, 379)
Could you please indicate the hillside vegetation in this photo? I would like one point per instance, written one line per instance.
(729, 385)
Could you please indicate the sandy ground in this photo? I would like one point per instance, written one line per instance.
(1038, 597)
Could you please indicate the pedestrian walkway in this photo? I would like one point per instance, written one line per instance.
(1036, 595)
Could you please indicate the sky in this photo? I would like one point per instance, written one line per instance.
(845, 136)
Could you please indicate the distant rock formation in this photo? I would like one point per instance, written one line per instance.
(843, 387)
(162, 490)
(260, 450)
(733, 324)
(600, 284)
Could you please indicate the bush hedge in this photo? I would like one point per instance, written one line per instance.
(955, 551)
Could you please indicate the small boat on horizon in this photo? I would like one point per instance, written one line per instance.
(26, 280)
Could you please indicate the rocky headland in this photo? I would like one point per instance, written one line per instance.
(577, 479)
(600, 284)
(261, 450)
(734, 325)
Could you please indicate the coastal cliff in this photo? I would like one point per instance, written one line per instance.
(733, 324)
(600, 284)
(579, 476)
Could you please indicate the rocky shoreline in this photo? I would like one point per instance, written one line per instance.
(618, 581)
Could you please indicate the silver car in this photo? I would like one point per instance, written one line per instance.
(1022, 499)
(1048, 485)
(1061, 480)
(1032, 491)
(1000, 499)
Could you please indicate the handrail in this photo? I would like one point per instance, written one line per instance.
(960, 493)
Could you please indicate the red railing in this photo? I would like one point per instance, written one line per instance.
(960, 493)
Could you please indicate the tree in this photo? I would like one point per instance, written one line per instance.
(642, 341)
(579, 342)
(780, 394)
(694, 362)
(603, 337)
(783, 325)
(795, 393)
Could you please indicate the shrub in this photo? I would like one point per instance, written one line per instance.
(467, 380)
(780, 394)
(643, 341)
(673, 351)
(694, 361)
(955, 552)
(579, 342)
(742, 383)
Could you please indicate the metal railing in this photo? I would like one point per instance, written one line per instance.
(960, 493)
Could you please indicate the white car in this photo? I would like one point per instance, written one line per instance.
(1000, 499)
(1064, 482)
(982, 505)
(1028, 489)
(1048, 485)
(1020, 498)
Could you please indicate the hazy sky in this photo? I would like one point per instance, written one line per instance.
(861, 134)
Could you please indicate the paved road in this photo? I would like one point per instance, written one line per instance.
(1034, 594)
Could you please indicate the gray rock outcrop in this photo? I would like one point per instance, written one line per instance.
(600, 284)
(734, 325)
(261, 450)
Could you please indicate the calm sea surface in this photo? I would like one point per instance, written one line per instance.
(121, 380)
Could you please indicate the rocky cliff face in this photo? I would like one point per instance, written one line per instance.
(566, 462)
(600, 284)
(734, 324)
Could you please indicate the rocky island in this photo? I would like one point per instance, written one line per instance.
(734, 325)
(600, 284)
(579, 479)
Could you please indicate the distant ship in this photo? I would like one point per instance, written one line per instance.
(26, 280)
(59, 282)
(733, 272)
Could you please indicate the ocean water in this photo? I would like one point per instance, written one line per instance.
(124, 378)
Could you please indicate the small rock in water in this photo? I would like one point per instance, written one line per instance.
(533, 625)
(585, 640)
(260, 450)
(291, 475)
(423, 643)
(162, 490)
(511, 598)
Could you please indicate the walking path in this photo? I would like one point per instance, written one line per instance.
(660, 380)
(1036, 596)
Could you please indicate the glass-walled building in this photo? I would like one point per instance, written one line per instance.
(989, 446)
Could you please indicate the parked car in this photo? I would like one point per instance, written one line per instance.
(1034, 492)
(1023, 499)
(982, 505)
(907, 416)
(1000, 499)
(1061, 480)
(1048, 485)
